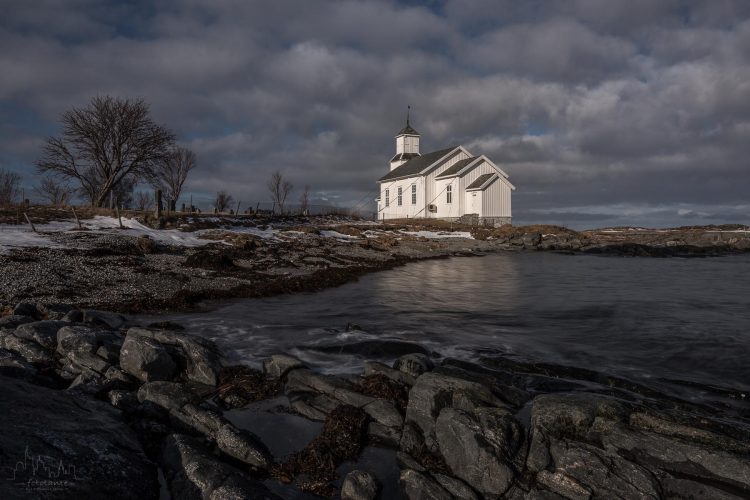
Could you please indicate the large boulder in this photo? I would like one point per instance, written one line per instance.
(243, 446)
(27, 349)
(201, 356)
(14, 320)
(278, 365)
(191, 471)
(420, 486)
(76, 338)
(479, 447)
(43, 333)
(359, 485)
(95, 454)
(146, 359)
(113, 321)
(432, 392)
(413, 364)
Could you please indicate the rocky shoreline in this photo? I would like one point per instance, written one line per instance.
(109, 406)
(121, 270)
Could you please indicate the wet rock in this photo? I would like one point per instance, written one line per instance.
(304, 380)
(126, 401)
(53, 311)
(359, 485)
(243, 446)
(413, 364)
(14, 320)
(86, 361)
(26, 309)
(43, 333)
(168, 395)
(73, 316)
(456, 487)
(420, 486)
(27, 349)
(278, 365)
(76, 338)
(110, 320)
(479, 447)
(101, 457)
(312, 405)
(146, 359)
(377, 368)
(432, 392)
(192, 472)
(202, 358)
(90, 383)
(384, 412)
(14, 365)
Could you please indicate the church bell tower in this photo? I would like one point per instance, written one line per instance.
(407, 144)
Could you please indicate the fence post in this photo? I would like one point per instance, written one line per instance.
(158, 203)
(117, 211)
(29, 221)
(78, 222)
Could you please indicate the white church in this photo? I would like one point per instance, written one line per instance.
(449, 184)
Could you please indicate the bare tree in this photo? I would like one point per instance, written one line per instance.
(170, 173)
(304, 199)
(54, 192)
(9, 187)
(144, 200)
(223, 201)
(279, 188)
(111, 140)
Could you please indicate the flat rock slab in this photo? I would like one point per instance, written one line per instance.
(57, 445)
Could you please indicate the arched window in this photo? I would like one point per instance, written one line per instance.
(449, 194)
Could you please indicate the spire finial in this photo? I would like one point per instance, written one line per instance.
(408, 109)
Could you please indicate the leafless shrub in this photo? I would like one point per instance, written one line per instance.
(144, 200)
(169, 173)
(9, 187)
(223, 201)
(53, 192)
(304, 199)
(279, 188)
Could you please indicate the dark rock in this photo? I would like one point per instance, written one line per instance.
(419, 486)
(14, 365)
(27, 349)
(26, 309)
(192, 472)
(89, 382)
(359, 485)
(76, 338)
(126, 401)
(479, 447)
(413, 364)
(14, 320)
(99, 456)
(243, 446)
(106, 319)
(53, 311)
(456, 487)
(433, 392)
(74, 316)
(43, 333)
(376, 368)
(86, 360)
(278, 365)
(146, 359)
(201, 355)
(168, 395)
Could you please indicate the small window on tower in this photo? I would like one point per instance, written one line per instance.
(399, 196)
(413, 194)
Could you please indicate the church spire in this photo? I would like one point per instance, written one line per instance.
(408, 130)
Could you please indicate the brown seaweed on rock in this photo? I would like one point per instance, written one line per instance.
(240, 385)
(380, 386)
(341, 440)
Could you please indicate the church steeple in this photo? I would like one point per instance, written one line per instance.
(407, 143)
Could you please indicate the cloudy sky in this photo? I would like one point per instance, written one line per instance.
(603, 112)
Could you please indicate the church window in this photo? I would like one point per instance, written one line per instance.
(413, 194)
(387, 198)
(449, 194)
(399, 197)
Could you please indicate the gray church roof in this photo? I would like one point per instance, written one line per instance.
(456, 167)
(480, 181)
(416, 165)
(407, 130)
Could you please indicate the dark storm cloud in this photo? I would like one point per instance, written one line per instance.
(613, 111)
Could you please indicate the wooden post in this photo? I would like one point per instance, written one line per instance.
(117, 211)
(273, 208)
(29, 221)
(78, 222)
(158, 203)
(238, 209)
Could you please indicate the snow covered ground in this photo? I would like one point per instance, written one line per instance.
(436, 235)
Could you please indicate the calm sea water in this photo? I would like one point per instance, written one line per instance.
(640, 318)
